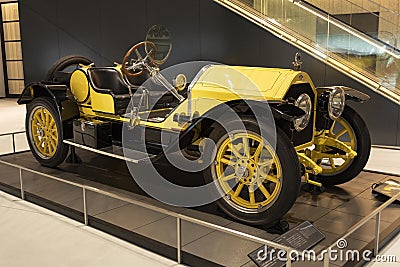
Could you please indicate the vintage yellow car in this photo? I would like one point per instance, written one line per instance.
(260, 131)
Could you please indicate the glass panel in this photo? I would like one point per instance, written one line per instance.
(55, 193)
(11, 31)
(9, 174)
(15, 70)
(9, 178)
(10, 11)
(365, 57)
(15, 87)
(363, 15)
(13, 51)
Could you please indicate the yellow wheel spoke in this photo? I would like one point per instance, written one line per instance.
(41, 142)
(246, 147)
(43, 118)
(234, 150)
(339, 134)
(48, 118)
(257, 154)
(49, 146)
(332, 162)
(264, 191)
(53, 124)
(54, 135)
(272, 179)
(53, 144)
(238, 190)
(227, 161)
(266, 163)
(227, 177)
(37, 119)
(333, 126)
(45, 147)
(251, 194)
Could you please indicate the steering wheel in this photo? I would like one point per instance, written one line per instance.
(132, 64)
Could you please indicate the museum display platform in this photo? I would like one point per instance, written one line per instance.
(333, 212)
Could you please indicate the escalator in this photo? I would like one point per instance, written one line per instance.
(374, 19)
(371, 60)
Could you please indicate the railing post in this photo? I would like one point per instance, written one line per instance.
(21, 184)
(85, 214)
(13, 141)
(288, 260)
(326, 258)
(179, 240)
(377, 227)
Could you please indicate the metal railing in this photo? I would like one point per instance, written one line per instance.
(180, 217)
(377, 214)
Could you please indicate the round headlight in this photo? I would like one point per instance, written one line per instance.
(304, 102)
(336, 103)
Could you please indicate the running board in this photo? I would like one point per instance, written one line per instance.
(115, 152)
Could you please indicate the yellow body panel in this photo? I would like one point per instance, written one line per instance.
(102, 102)
(232, 82)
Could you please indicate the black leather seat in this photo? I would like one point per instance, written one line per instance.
(109, 81)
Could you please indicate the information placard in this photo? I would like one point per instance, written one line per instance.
(302, 237)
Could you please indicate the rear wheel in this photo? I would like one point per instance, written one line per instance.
(45, 132)
(259, 183)
(67, 63)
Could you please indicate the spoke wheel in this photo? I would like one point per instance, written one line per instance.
(248, 172)
(351, 130)
(258, 183)
(340, 130)
(44, 132)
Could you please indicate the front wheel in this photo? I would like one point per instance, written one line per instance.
(352, 130)
(258, 183)
(45, 133)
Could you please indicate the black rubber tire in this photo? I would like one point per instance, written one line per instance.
(290, 182)
(64, 63)
(363, 141)
(62, 149)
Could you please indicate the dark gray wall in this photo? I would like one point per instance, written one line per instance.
(103, 30)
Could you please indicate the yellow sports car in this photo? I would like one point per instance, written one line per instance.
(254, 131)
